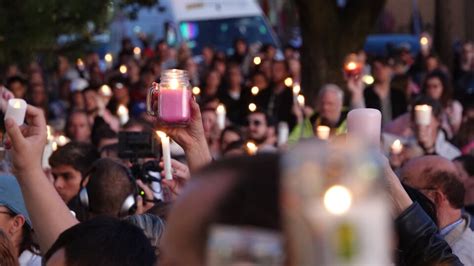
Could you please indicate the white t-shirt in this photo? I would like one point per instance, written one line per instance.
(29, 259)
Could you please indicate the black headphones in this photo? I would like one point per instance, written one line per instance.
(129, 205)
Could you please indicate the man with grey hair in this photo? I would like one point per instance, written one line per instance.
(436, 177)
(329, 112)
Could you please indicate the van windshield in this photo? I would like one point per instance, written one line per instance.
(221, 33)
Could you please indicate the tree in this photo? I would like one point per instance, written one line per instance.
(29, 28)
(329, 33)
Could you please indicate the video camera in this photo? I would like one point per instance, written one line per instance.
(134, 146)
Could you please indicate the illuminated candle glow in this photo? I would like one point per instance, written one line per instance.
(251, 148)
(337, 200)
(252, 107)
(323, 132)
(288, 82)
(123, 69)
(105, 90)
(255, 90)
(16, 110)
(137, 53)
(196, 91)
(423, 114)
(165, 145)
(122, 113)
(397, 147)
(301, 100)
(257, 60)
(221, 116)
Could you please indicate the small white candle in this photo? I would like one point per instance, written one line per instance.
(221, 115)
(251, 148)
(255, 90)
(257, 60)
(296, 91)
(288, 82)
(16, 110)
(105, 90)
(365, 125)
(165, 145)
(122, 113)
(252, 107)
(423, 114)
(123, 69)
(283, 133)
(196, 91)
(301, 100)
(323, 132)
(397, 147)
(137, 52)
(108, 60)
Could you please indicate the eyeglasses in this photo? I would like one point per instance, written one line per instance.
(254, 122)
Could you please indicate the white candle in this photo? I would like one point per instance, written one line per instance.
(251, 148)
(47, 152)
(16, 110)
(137, 53)
(122, 113)
(108, 60)
(301, 100)
(283, 133)
(165, 145)
(323, 132)
(296, 91)
(396, 147)
(365, 125)
(423, 114)
(221, 115)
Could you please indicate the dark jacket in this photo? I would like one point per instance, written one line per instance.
(419, 243)
(397, 99)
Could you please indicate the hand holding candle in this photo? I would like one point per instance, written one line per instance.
(165, 145)
(16, 110)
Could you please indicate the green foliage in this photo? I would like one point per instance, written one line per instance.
(31, 28)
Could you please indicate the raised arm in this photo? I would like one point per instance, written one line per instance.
(49, 214)
(192, 139)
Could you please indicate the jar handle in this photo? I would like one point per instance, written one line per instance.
(149, 99)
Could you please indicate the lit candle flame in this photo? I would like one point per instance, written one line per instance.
(137, 51)
(252, 107)
(62, 140)
(108, 57)
(161, 134)
(16, 104)
(174, 84)
(123, 69)
(257, 60)
(122, 110)
(351, 66)
(296, 89)
(323, 132)
(397, 147)
(255, 90)
(288, 82)
(337, 200)
(220, 109)
(424, 40)
(301, 100)
(196, 90)
(105, 90)
(251, 148)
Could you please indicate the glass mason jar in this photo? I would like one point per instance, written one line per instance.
(169, 101)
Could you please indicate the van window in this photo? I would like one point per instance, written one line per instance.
(221, 33)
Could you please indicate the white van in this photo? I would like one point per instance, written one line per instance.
(198, 22)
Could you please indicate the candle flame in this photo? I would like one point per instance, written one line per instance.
(288, 82)
(351, 66)
(251, 147)
(108, 57)
(161, 134)
(220, 109)
(17, 104)
(62, 140)
(255, 90)
(252, 107)
(122, 110)
(337, 200)
(174, 84)
(54, 145)
(368, 79)
(323, 132)
(123, 69)
(106, 90)
(196, 90)
(257, 60)
(397, 147)
(296, 89)
(80, 63)
(424, 40)
(301, 100)
(137, 50)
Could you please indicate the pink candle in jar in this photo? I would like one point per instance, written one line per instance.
(173, 107)
(169, 101)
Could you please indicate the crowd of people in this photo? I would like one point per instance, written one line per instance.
(68, 195)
